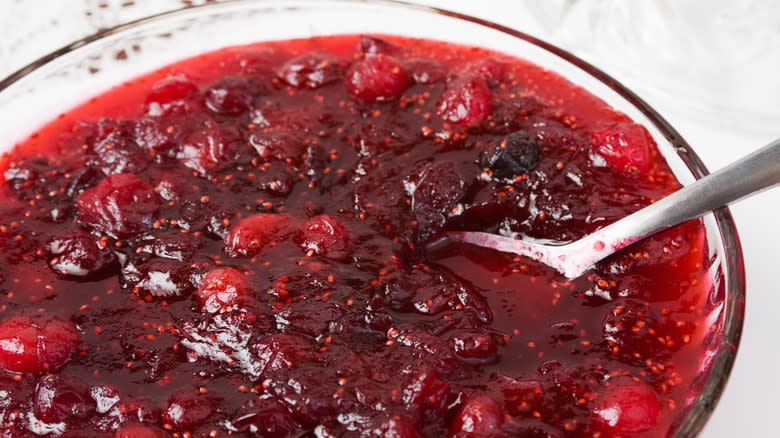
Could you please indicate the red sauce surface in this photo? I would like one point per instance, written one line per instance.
(235, 245)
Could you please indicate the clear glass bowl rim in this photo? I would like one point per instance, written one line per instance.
(705, 403)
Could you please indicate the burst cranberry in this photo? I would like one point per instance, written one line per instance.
(466, 102)
(211, 147)
(489, 69)
(33, 344)
(175, 94)
(311, 70)
(474, 345)
(376, 78)
(76, 253)
(220, 287)
(323, 235)
(250, 235)
(188, 408)
(139, 431)
(283, 146)
(627, 407)
(479, 417)
(624, 146)
(121, 205)
(60, 398)
(231, 95)
(281, 351)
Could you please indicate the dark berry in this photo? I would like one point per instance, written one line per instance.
(626, 407)
(220, 287)
(436, 193)
(250, 235)
(376, 78)
(324, 235)
(231, 95)
(466, 102)
(311, 70)
(115, 149)
(516, 155)
(624, 146)
(33, 344)
(61, 398)
(121, 205)
(76, 253)
(188, 408)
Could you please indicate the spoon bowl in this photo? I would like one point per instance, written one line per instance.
(747, 176)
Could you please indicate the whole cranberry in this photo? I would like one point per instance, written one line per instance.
(250, 235)
(174, 94)
(466, 102)
(188, 408)
(324, 235)
(625, 146)
(627, 406)
(220, 287)
(376, 78)
(34, 344)
(231, 95)
(121, 205)
(480, 417)
(59, 398)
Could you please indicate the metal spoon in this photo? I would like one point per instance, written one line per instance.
(747, 176)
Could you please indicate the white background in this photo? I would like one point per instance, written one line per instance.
(709, 67)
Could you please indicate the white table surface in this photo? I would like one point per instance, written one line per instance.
(720, 130)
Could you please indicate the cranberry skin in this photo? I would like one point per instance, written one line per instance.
(231, 95)
(324, 235)
(220, 287)
(627, 406)
(466, 102)
(76, 253)
(34, 344)
(250, 235)
(59, 398)
(174, 94)
(376, 78)
(188, 408)
(139, 431)
(266, 418)
(623, 145)
(489, 69)
(121, 205)
(311, 70)
(479, 417)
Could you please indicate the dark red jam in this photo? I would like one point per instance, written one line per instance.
(235, 245)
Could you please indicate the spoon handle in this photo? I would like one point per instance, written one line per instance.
(747, 176)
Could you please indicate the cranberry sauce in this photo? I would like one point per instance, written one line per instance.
(236, 245)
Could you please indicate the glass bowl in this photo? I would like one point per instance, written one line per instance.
(39, 92)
